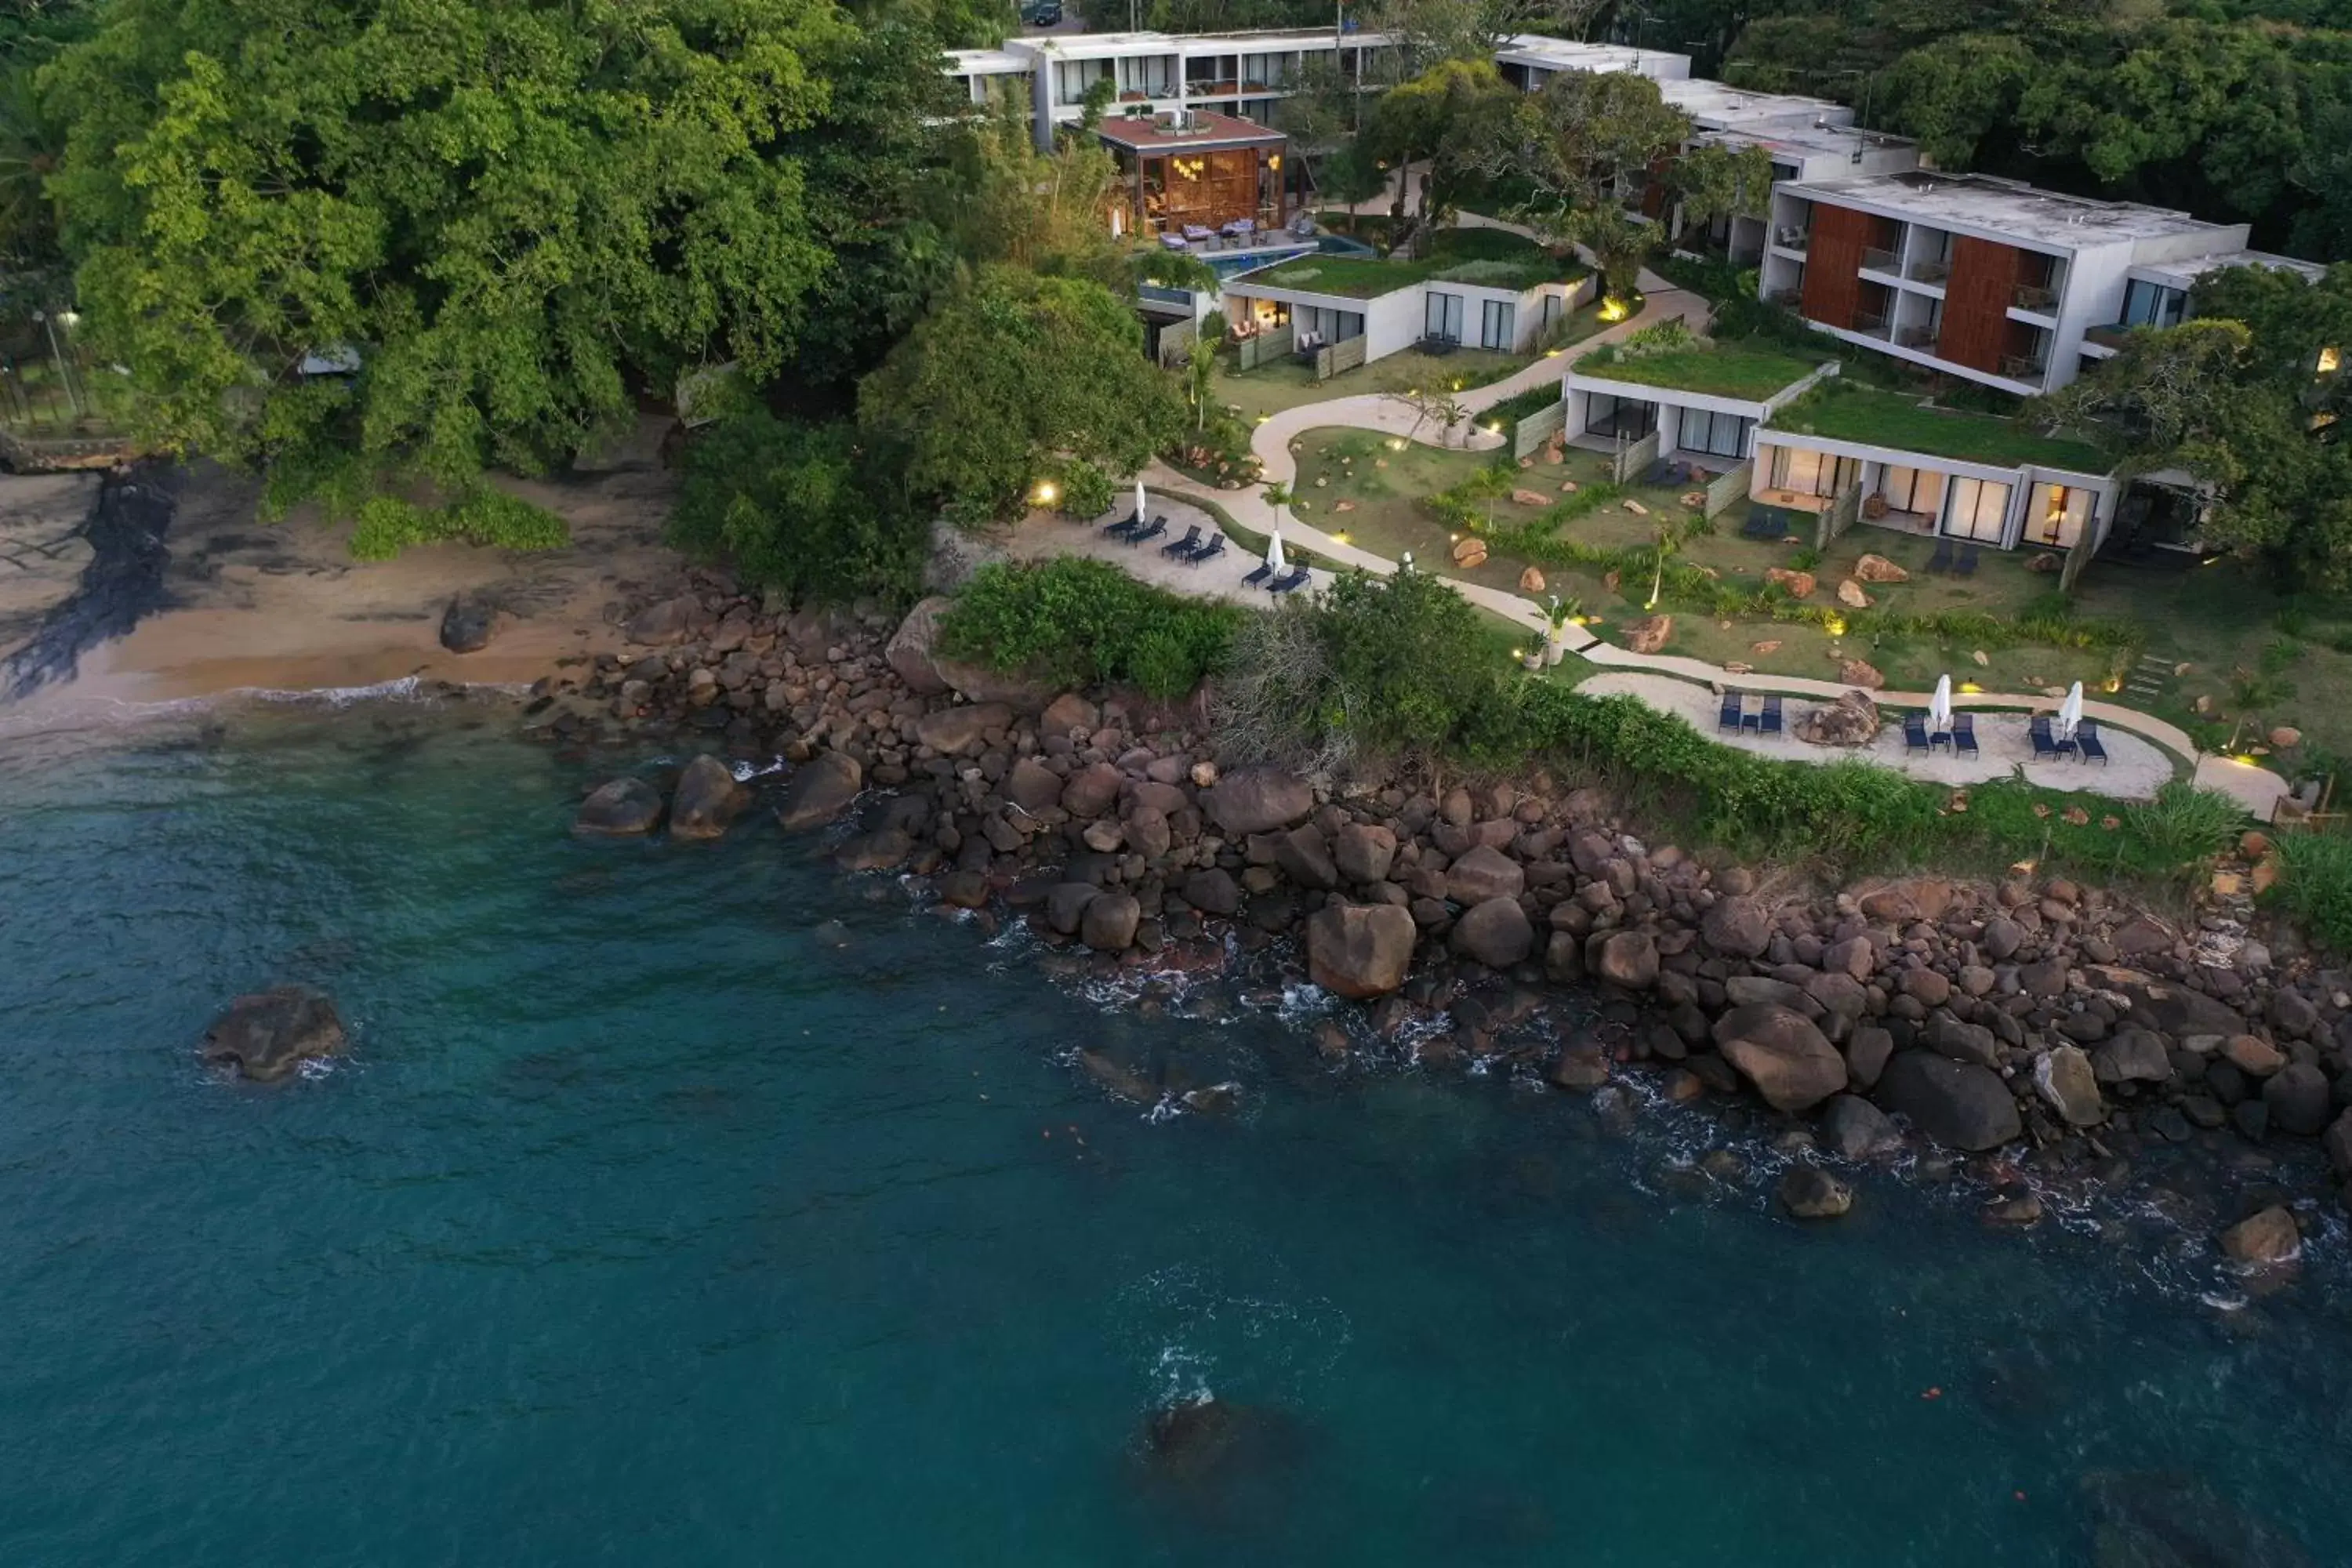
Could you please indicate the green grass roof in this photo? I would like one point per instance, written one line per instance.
(1842, 411)
(1712, 367)
(1487, 258)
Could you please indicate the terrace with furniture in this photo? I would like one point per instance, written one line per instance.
(1199, 181)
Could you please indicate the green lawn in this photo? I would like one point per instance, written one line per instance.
(1488, 256)
(1724, 369)
(1840, 411)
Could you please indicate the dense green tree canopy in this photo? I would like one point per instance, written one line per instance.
(516, 212)
(2248, 396)
(1013, 374)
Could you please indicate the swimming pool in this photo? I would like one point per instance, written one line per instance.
(1237, 262)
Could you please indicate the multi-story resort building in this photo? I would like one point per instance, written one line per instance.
(1986, 278)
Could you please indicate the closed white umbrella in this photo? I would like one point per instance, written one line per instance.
(1139, 500)
(1273, 562)
(2070, 713)
(1939, 707)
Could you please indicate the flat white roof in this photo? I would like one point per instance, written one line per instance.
(1106, 46)
(2180, 274)
(2008, 210)
(986, 62)
(1568, 55)
(1802, 142)
(1719, 106)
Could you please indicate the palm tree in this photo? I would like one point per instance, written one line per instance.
(1201, 381)
(1278, 496)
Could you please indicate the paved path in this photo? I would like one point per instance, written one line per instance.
(2135, 769)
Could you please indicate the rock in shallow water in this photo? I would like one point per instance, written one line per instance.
(269, 1034)
(1960, 1105)
(1810, 1192)
(706, 801)
(619, 809)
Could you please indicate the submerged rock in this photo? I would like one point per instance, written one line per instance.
(2146, 1518)
(1810, 1192)
(269, 1034)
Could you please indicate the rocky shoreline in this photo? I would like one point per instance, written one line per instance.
(2035, 1028)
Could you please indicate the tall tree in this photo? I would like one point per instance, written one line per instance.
(1447, 120)
(515, 213)
(1011, 373)
(1717, 181)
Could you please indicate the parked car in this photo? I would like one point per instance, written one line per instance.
(1042, 14)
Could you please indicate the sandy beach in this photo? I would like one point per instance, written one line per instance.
(248, 605)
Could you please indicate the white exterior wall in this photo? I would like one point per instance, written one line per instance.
(2024, 483)
(1394, 322)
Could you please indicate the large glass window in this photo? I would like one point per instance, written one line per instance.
(1919, 490)
(1497, 319)
(1978, 509)
(2060, 514)
(1606, 413)
(1717, 435)
(2150, 304)
(1801, 471)
(1443, 317)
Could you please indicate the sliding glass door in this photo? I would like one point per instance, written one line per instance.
(1976, 510)
(1916, 490)
(2060, 514)
(1443, 317)
(1497, 318)
(1805, 472)
(1712, 434)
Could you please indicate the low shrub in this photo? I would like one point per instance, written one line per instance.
(2186, 825)
(387, 524)
(1075, 621)
(1519, 404)
(1086, 490)
(2314, 885)
(801, 508)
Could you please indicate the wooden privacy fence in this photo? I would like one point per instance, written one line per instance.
(1333, 358)
(1635, 458)
(1728, 490)
(1537, 428)
(1837, 517)
(1263, 347)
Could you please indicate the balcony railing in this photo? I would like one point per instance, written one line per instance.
(2110, 337)
(2023, 369)
(1929, 269)
(1874, 324)
(1916, 337)
(1791, 239)
(2034, 297)
(1875, 260)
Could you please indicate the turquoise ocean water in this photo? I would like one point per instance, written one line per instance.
(641, 1226)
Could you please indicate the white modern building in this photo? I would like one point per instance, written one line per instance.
(1982, 277)
(1531, 59)
(1241, 74)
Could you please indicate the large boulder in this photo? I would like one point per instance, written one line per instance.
(1496, 934)
(1792, 1065)
(2167, 1005)
(1364, 851)
(622, 807)
(2337, 1143)
(269, 1034)
(819, 789)
(1959, 1104)
(466, 624)
(707, 799)
(1482, 873)
(1214, 891)
(2298, 1099)
(1109, 922)
(2135, 1056)
(1033, 787)
(2064, 1079)
(1359, 951)
(1851, 720)
(1737, 926)
(953, 731)
(1257, 800)
(1092, 790)
(659, 624)
(1650, 635)
(1856, 1129)
(1305, 858)
(1626, 958)
(908, 652)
